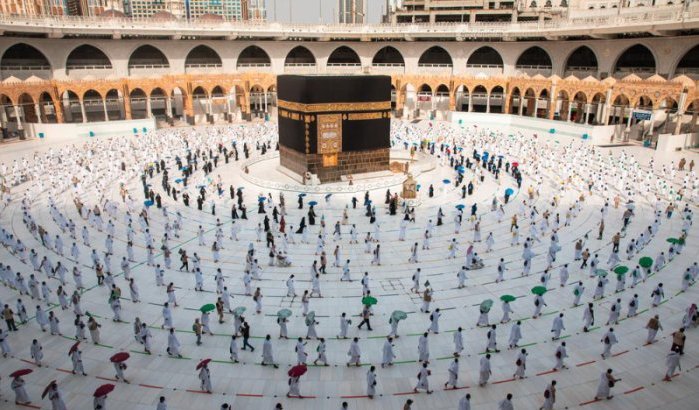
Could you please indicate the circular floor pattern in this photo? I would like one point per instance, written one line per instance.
(557, 175)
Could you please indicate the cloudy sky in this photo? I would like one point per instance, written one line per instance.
(313, 11)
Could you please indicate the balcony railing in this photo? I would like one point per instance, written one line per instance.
(25, 67)
(579, 22)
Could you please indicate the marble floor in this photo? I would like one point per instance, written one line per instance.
(248, 385)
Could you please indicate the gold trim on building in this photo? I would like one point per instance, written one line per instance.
(331, 107)
(366, 116)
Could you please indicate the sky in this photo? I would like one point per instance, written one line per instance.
(309, 11)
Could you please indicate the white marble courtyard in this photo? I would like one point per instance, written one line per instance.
(556, 172)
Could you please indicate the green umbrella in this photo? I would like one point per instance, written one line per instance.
(398, 315)
(646, 261)
(284, 313)
(621, 269)
(673, 241)
(239, 310)
(369, 300)
(539, 290)
(310, 317)
(486, 305)
(507, 298)
(600, 272)
(209, 307)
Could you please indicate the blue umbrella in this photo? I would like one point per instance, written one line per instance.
(460, 168)
(312, 203)
(302, 195)
(509, 191)
(446, 181)
(201, 186)
(328, 196)
(148, 203)
(178, 181)
(260, 199)
(418, 187)
(460, 207)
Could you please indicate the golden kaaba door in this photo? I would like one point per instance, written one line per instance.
(329, 133)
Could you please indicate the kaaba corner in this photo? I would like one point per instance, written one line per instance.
(333, 127)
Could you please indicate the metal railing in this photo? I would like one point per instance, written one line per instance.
(89, 67)
(203, 65)
(148, 66)
(25, 67)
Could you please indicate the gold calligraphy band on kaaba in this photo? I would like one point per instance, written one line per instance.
(331, 107)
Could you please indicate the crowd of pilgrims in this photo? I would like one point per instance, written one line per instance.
(187, 162)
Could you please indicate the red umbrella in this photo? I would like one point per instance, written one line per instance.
(119, 357)
(74, 348)
(47, 388)
(298, 370)
(203, 363)
(104, 390)
(21, 372)
(515, 164)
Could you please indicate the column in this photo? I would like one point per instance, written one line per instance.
(607, 105)
(168, 107)
(37, 108)
(470, 101)
(148, 107)
(58, 108)
(487, 103)
(536, 107)
(680, 112)
(587, 113)
(570, 110)
(265, 101)
(82, 111)
(521, 104)
(18, 117)
(106, 112)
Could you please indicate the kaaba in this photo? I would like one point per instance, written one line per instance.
(334, 126)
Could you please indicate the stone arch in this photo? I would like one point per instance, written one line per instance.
(72, 111)
(22, 61)
(435, 56)
(496, 100)
(543, 104)
(637, 59)
(644, 102)
(344, 56)
(257, 100)
(530, 99)
(157, 99)
(300, 56)
(27, 108)
(147, 57)
(47, 107)
(534, 60)
(202, 57)
(114, 102)
(581, 62)
(618, 111)
(139, 103)
(179, 102)
(388, 57)
(479, 99)
(485, 59)
(461, 96)
(563, 105)
(87, 57)
(515, 101)
(94, 105)
(689, 62)
(253, 56)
